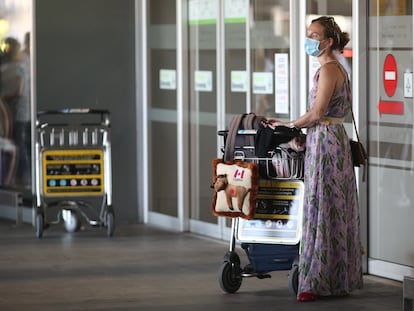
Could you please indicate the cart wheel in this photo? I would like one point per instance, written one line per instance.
(293, 278)
(230, 278)
(39, 223)
(110, 224)
(71, 220)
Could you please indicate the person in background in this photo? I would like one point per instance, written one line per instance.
(330, 262)
(15, 95)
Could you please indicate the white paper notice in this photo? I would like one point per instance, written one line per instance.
(168, 80)
(235, 11)
(281, 83)
(202, 11)
(239, 81)
(262, 83)
(203, 81)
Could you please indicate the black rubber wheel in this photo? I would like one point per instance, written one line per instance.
(39, 224)
(230, 278)
(110, 224)
(71, 220)
(293, 279)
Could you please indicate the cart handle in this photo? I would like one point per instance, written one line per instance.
(104, 113)
(279, 130)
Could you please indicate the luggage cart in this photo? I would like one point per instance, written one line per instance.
(271, 239)
(73, 170)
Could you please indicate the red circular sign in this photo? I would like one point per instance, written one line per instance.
(390, 75)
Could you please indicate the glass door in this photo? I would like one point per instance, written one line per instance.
(270, 58)
(162, 112)
(208, 61)
(233, 48)
(204, 103)
(391, 137)
(15, 96)
(17, 111)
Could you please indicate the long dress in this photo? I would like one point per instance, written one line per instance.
(330, 261)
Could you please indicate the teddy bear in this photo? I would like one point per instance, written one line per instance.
(231, 191)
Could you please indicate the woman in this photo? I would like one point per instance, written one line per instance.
(330, 261)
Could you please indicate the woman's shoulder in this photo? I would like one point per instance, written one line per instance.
(332, 69)
(330, 66)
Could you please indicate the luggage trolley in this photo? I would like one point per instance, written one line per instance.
(73, 170)
(271, 239)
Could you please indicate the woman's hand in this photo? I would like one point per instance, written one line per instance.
(272, 123)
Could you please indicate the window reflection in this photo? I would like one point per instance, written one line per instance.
(15, 106)
(270, 38)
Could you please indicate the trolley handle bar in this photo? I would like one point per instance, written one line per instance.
(74, 111)
(239, 132)
(79, 111)
(278, 131)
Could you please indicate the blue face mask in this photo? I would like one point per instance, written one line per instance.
(312, 47)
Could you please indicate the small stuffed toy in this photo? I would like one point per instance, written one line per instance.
(222, 184)
(235, 185)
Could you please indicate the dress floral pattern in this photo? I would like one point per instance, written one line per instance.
(330, 260)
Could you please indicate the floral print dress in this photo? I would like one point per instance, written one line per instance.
(330, 260)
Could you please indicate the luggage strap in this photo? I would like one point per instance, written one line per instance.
(231, 137)
(245, 120)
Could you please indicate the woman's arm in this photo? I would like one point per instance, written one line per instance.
(327, 85)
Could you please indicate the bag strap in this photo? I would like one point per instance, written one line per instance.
(248, 124)
(353, 121)
(347, 82)
(231, 137)
(364, 172)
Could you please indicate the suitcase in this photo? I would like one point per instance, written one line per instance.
(270, 257)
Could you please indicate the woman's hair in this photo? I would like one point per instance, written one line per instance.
(332, 30)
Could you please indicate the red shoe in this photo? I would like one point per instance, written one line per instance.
(304, 297)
